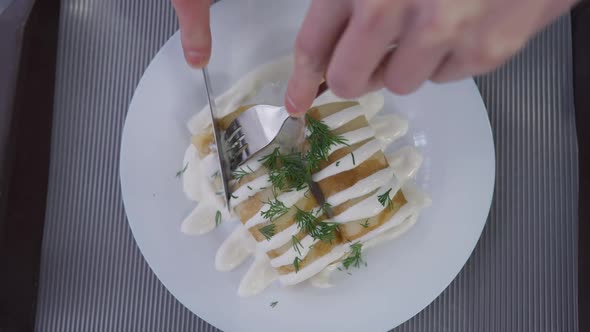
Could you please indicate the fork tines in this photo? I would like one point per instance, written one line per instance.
(237, 147)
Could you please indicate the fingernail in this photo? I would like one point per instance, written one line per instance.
(196, 59)
(292, 108)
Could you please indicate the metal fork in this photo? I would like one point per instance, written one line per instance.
(258, 127)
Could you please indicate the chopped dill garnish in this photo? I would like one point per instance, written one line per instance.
(353, 161)
(276, 209)
(296, 262)
(339, 269)
(321, 140)
(355, 258)
(271, 160)
(286, 171)
(319, 230)
(326, 232)
(306, 221)
(385, 200)
(297, 246)
(217, 218)
(240, 173)
(249, 187)
(365, 224)
(274, 304)
(268, 231)
(234, 196)
(181, 172)
(337, 163)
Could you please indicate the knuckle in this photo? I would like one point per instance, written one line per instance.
(493, 49)
(395, 85)
(491, 54)
(340, 85)
(372, 14)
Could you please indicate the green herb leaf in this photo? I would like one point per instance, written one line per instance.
(268, 231)
(217, 218)
(319, 230)
(354, 258)
(325, 208)
(306, 221)
(271, 160)
(353, 161)
(297, 246)
(276, 209)
(326, 232)
(365, 224)
(321, 140)
(240, 173)
(181, 172)
(274, 304)
(296, 262)
(385, 200)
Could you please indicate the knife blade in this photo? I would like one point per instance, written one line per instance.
(222, 158)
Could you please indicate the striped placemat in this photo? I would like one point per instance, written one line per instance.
(521, 277)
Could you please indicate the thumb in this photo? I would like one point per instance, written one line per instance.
(195, 33)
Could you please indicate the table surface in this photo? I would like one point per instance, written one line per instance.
(522, 275)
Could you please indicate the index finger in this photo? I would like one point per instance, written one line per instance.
(195, 34)
(321, 30)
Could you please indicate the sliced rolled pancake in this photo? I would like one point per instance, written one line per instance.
(362, 188)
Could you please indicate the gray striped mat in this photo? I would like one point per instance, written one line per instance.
(521, 277)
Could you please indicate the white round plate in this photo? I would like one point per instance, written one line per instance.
(448, 124)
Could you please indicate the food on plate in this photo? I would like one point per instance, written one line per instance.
(370, 195)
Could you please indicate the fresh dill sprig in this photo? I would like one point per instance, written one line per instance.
(297, 246)
(234, 196)
(321, 140)
(271, 160)
(274, 304)
(296, 262)
(268, 231)
(365, 224)
(325, 208)
(286, 171)
(217, 218)
(319, 230)
(326, 232)
(181, 172)
(355, 258)
(306, 221)
(353, 161)
(240, 173)
(385, 200)
(276, 209)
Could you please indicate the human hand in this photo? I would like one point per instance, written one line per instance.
(349, 42)
(195, 34)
